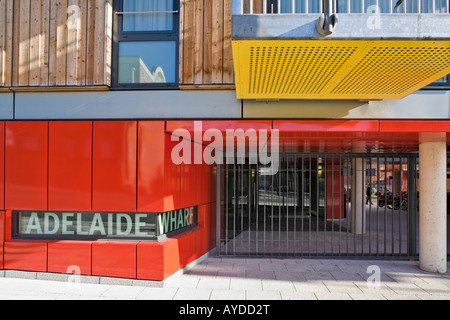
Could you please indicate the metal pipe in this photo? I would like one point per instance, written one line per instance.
(328, 19)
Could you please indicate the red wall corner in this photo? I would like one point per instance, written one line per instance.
(157, 260)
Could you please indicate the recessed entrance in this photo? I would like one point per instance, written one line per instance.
(322, 205)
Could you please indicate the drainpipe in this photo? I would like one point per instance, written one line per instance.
(328, 19)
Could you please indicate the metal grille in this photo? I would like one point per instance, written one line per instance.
(306, 208)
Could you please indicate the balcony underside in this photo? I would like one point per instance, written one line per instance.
(275, 63)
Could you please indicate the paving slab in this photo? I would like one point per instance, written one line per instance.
(218, 278)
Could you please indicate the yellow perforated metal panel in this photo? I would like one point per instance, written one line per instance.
(337, 69)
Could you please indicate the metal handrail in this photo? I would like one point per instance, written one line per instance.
(146, 12)
(241, 7)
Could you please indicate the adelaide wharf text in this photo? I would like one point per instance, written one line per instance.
(96, 224)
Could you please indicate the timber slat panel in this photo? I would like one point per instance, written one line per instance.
(206, 43)
(55, 42)
(6, 28)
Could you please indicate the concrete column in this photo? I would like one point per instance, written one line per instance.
(433, 202)
(357, 216)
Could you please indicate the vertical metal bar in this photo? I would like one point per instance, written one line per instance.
(295, 204)
(400, 208)
(256, 201)
(355, 172)
(317, 205)
(279, 6)
(347, 204)
(363, 205)
(324, 170)
(235, 185)
(306, 6)
(378, 204)
(433, 6)
(386, 179)
(302, 199)
(249, 204)
(393, 203)
(293, 6)
(287, 204)
(218, 205)
(265, 214)
(310, 203)
(227, 199)
(279, 207)
(332, 204)
(340, 204)
(241, 206)
(369, 195)
(265, 6)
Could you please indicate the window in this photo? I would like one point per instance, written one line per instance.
(442, 83)
(146, 44)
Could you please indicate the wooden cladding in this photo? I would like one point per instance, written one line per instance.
(67, 43)
(205, 46)
(55, 42)
(6, 31)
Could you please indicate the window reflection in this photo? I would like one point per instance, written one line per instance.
(147, 62)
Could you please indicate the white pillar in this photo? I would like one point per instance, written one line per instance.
(433, 202)
(358, 220)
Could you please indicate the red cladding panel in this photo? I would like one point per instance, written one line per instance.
(114, 165)
(414, 126)
(114, 259)
(172, 178)
(188, 188)
(326, 125)
(70, 148)
(26, 255)
(157, 260)
(26, 165)
(159, 178)
(67, 256)
(2, 165)
(151, 141)
(2, 235)
(2, 226)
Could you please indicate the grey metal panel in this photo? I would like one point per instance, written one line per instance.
(177, 104)
(424, 104)
(6, 105)
(349, 27)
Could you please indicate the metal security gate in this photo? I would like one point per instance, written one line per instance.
(322, 205)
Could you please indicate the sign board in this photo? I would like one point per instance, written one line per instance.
(101, 225)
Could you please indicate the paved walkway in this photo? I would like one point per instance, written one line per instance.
(258, 279)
